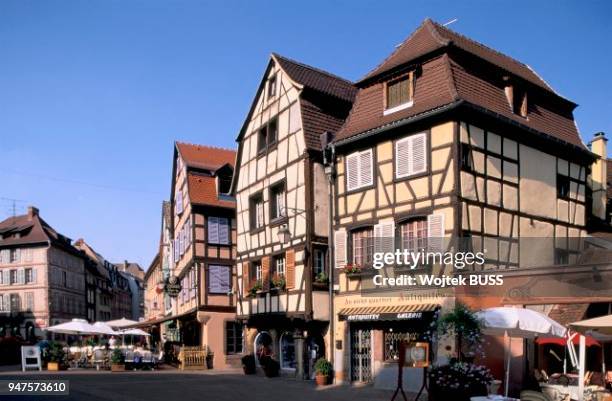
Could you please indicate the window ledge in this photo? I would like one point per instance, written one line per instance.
(397, 108)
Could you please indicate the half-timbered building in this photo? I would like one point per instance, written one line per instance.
(203, 243)
(448, 138)
(282, 212)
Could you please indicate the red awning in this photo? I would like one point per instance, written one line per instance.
(590, 341)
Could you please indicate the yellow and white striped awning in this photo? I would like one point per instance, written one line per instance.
(386, 312)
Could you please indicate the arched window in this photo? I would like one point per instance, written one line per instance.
(287, 351)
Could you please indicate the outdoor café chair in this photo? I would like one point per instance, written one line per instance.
(99, 359)
(147, 359)
(129, 358)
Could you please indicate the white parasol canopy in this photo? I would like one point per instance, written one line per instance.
(518, 322)
(134, 332)
(75, 326)
(103, 328)
(121, 323)
(601, 325)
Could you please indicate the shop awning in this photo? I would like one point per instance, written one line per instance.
(390, 312)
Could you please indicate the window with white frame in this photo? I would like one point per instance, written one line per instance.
(413, 235)
(277, 201)
(258, 271)
(14, 256)
(399, 93)
(179, 202)
(279, 265)
(257, 211)
(411, 155)
(359, 170)
(363, 246)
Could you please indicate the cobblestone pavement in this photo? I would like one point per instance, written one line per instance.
(197, 386)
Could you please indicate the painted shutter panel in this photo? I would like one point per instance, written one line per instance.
(18, 255)
(418, 149)
(223, 231)
(340, 248)
(435, 232)
(290, 269)
(402, 158)
(34, 275)
(384, 236)
(366, 168)
(21, 276)
(28, 254)
(2, 253)
(265, 272)
(213, 230)
(352, 171)
(246, 278)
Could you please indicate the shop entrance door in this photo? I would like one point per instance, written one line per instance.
(361, 355)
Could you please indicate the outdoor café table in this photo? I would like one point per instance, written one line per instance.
(493, 397)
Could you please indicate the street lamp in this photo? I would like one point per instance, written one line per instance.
(284, 235)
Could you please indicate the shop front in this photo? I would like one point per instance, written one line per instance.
(368, 335)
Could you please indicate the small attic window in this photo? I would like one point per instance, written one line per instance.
(399, 93)
(519, 106)
(272, 86)
(517, 98)
(225, 183)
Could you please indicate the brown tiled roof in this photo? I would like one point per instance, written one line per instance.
(433, 89)
(431, 36)
(205, 157)
(32, 230)
(568, 313)
(448, 79)
(203, 191)
(316, 120)
(317, 79)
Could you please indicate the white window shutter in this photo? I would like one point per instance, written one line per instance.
(352, 171)
(366, 167)
(34, 275)
(4, 256)
(402, 158)
(28, 254)
(418, 153)
(21, 276)
(435, 232)
(340, 248)
(18, 255)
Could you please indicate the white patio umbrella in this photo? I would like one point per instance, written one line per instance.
(597, 326)
(75, 326)
(105, 329)
(121, 323)
(518, 322)
(134, 332)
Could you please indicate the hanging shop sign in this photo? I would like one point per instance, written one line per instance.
(173, 286)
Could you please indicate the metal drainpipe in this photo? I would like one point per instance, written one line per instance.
(330, 172)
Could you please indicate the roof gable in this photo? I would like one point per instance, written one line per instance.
(431, 36)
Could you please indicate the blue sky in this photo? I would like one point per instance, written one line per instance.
(93, 93)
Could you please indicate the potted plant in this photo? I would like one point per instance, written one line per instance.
(352, 269)
(117, 361)
(459, 381)
(57, 356)
(255, 288)
(248, 364)
(321, 280)
(323, 371)
(278, 282)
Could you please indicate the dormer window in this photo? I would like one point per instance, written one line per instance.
(225, 183)
(517, 97)
(272, 87)
(399, 93)
(519, 106)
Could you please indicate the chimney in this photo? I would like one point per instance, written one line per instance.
(32, 212)
(599, 175)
